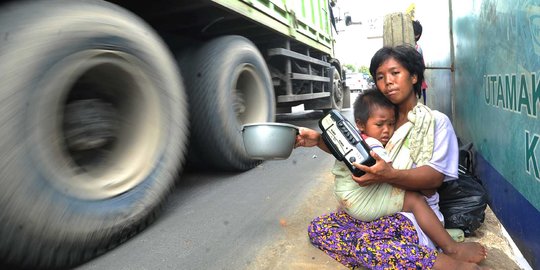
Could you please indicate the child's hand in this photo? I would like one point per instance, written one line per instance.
(307, 137)
(380, 172)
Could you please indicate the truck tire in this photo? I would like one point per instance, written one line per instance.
(93, 117)
(228, 85)
(346, 97)
(337, 89)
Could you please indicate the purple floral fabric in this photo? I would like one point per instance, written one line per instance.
(390, 242)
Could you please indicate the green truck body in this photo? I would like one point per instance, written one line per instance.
(306, 21)
(300, 31)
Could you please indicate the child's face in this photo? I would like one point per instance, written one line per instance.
(380, 124)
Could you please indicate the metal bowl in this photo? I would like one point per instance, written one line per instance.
(269, 141)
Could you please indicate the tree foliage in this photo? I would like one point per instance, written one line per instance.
(364, 69)
(350, 67)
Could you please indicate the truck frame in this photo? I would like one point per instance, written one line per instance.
(105, 103)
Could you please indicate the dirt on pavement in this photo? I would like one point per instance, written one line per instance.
(292, 249)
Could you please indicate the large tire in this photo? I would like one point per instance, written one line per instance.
(73, 185)
(337, 90)
(228, 85)
(346, 97)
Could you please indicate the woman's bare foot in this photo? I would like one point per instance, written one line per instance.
(445, 262)
(471, 266)
(467, 266)
(471, 252)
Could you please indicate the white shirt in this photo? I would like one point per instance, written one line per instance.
(445, 160)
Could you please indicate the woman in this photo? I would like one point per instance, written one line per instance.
(427, 152)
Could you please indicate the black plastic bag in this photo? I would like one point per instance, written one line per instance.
(463, 203)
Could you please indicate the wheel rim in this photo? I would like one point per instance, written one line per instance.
(121, 153)
(249, 96)
(337, 89)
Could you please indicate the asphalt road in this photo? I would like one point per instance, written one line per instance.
(224, 221)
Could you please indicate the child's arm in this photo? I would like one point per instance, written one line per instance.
(308, 138)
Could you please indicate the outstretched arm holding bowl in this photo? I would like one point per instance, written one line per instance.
(308, 138)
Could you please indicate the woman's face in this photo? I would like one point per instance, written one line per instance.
(395, 81)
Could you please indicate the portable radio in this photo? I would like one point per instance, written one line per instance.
(344, 141)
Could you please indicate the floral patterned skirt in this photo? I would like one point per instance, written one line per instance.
(390, 242)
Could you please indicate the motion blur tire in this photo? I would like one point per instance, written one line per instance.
(337, 90)
(346, 97)
(62, 205)
(228, 85)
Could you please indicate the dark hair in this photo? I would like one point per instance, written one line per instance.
(417, 28)
(367, 101)
(407, 56)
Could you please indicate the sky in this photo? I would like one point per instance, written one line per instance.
(356, 44)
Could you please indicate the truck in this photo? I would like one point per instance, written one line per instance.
(105, 103)
(492, 67)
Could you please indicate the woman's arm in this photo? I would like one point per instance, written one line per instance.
(308, 138)
(419, 178)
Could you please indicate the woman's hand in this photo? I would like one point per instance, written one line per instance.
(380, 172)
(419, 178)
(307, 137)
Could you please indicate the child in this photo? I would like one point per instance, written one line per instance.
(375, 117)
